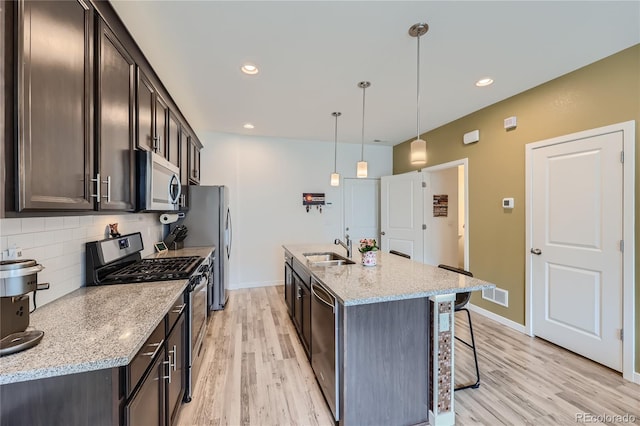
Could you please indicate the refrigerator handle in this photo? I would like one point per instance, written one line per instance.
(230, 228)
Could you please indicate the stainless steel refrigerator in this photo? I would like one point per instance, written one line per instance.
(209, 224)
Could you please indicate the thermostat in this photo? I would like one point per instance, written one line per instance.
(507, 203)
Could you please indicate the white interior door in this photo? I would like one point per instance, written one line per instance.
(576, 259)
(361, 209)
(401, 214)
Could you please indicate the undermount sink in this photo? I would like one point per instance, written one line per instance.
(327, 259)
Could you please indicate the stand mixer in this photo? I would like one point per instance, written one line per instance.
(17, 279)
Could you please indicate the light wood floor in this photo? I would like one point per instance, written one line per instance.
(255, 372)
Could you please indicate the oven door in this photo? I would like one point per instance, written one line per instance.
(197, 330)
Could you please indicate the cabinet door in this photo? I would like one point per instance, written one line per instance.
(115, 112)
(288, 288)
(297, 303)
(173, 140)
(176, 357)
(147, 407)
(194, 161)
(185, 144)
(55, 105)
(306, 319)
(145, 117)
(162, 124)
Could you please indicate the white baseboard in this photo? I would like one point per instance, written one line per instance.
(497, 318)
(254, 284)
(636, 378)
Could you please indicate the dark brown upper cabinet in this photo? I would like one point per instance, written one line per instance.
(115, 123)
(55, 50)
(185, 144)
(194, 160)
(162, 126)
(146, 103)
(152, 116)
(173, 140)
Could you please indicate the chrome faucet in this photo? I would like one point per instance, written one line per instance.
(347, 245)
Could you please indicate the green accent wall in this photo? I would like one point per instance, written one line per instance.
(603, 93)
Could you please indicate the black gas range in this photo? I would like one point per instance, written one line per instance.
(118, 261)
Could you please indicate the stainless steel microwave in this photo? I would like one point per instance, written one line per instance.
(158, 182)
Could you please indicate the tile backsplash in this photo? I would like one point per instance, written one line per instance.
(58, 244)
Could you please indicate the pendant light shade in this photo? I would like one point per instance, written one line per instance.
(361, 170)
(418, 146)
(335, 176)
(419, 151)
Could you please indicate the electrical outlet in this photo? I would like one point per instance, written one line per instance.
(13, 253)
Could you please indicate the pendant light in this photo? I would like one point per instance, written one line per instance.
(361, 170)
(335, 176)
(418, 146)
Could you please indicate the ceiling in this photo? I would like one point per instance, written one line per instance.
(312, 54)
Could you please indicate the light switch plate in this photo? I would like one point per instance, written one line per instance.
(444, 322)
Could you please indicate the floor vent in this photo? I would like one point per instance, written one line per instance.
(496, 295)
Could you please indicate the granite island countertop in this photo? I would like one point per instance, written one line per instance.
(94, 328)
(393, 278)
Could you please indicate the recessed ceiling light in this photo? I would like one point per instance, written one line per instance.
(484, 82)
(249, 69)
(248, 126)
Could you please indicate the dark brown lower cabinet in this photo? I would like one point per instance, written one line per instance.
(147, 406)
(302, 308)
(176, 356)
(75, 399)
(147, 392)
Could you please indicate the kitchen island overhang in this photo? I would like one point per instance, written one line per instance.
(394, 337)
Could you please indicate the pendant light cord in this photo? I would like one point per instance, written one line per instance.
(335, 147)
(418, 93)
(364, 88)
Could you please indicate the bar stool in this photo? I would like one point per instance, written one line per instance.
(461, 302)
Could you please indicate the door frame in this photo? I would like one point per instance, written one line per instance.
(628, 233)
(455, 163)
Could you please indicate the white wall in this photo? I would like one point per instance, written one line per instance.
(58, 243)
(267, 177)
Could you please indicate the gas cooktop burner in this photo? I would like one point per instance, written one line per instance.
(158, 269)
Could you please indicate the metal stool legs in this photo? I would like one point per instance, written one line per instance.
(475, 354)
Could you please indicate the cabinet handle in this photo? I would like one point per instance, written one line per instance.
(178, 309)
(299, 296)
(172, 352)
(168, 364)
(155, 144)
(97, 194)
(154, 353)
(108, 182)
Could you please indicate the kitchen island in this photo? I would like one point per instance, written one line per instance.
(393, 330)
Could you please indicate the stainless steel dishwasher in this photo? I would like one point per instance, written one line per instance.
(325, 353)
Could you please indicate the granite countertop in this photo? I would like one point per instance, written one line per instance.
(393, 278)
(93, 328)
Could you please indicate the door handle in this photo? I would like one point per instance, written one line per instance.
(536, 251)
(383, 233)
